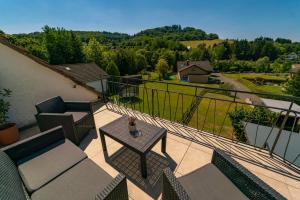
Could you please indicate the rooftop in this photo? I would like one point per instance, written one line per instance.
(82, 72)
(181, 65)
(279, 105)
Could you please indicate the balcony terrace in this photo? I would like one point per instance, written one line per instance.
(187, 150)
(190, 145)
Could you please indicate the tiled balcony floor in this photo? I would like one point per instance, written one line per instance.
(183, 156)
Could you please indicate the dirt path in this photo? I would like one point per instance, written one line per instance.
(239, 86)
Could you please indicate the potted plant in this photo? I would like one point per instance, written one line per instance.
(8, 131)
(131, 124)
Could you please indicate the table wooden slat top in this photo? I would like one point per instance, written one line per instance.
(118, 130)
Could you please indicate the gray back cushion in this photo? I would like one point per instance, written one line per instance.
(53, 105)
(11, 186)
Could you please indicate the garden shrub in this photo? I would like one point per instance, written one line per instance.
(258, 115)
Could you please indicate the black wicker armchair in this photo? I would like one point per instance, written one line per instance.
(75, 117)
(47, 166)
(224, 178)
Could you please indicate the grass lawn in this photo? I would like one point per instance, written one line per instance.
(256, 75)
(262, 88)
(209, 115)
(266, 88)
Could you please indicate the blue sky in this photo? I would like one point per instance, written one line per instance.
(228, 18)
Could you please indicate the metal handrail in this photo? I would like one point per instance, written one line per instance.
(154, 106)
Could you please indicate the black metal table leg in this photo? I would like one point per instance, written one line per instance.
(143, 165)
(103, 142)
(163, 144)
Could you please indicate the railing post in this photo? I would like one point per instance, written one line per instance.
(102, 89)
(234, 98)
(281, 128)
(152, 100)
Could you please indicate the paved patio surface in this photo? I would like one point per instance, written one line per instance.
(185, 153)
(187, 150)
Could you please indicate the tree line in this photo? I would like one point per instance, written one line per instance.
(122, 54)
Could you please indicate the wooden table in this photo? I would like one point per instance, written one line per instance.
(151, 134)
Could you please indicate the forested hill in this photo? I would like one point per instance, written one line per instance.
(101, 36)
(176, 32)
(120, 53)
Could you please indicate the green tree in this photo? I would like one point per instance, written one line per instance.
(162, 68)
(77, 49)
(283, 40)
(93, 52)
(280, 66)
(198, 53)
(63, 46)
(221, 51)
(140, 61)
(125, 60)
(112, 69)
(293, 85)
(263, 64)
(170, 57)
(242, 49)
(270, 50)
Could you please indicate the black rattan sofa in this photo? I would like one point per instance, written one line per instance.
(223, 178)
(75, 117)
(47, 166)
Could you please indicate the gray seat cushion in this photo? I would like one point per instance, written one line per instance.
(77, 116)
(11, 187)
(208, 182)
(39, 170)
(81, 182)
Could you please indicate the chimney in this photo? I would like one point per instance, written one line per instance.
(187, 62)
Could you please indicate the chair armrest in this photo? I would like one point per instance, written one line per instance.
(117, 189)
(172, 189)
(78, 106)
(32, 145)
(248, 183)
(49, 120)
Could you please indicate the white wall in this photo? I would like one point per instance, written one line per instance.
(32, 82)
(97, 85)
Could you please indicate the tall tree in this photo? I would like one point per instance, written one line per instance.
(141, 62)
(242, 49)
(94, 52)
(293, 86)
(77, 49)
(162, 68)
(125, 60)
(62, 46)
(263, 64)
(270, 50)
(112, 69)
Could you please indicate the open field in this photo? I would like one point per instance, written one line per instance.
(265, 88)
(256, 75)
(195, 43)
(210, 113)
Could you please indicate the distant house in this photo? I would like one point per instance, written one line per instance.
(291, 56)
(294, 69)
(87, 73)
(194, 71)
(33, 80)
